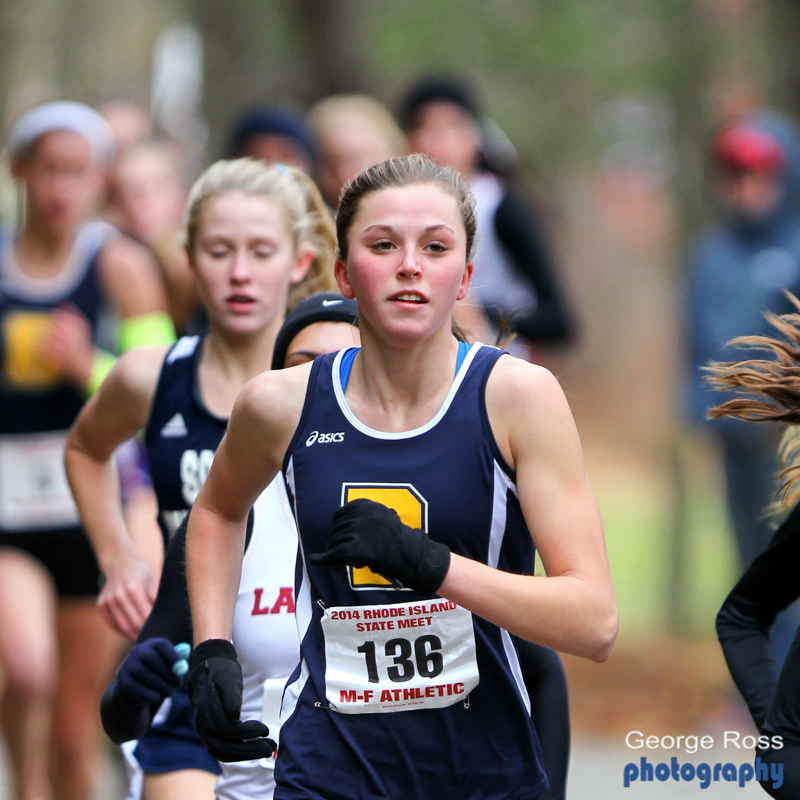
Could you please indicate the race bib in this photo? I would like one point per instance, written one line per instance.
(34, 492)
(398, 657)
(271, 715)
(23, 334)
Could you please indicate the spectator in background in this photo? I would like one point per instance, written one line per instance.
(354, 132)
(274, 135)
(738, 270)
(514, 272)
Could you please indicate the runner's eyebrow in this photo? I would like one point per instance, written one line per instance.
(391, 229)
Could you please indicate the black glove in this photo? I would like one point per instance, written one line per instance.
(145, 676)
(368, 534)
(215, 690)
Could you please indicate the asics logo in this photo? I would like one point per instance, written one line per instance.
(324, 438)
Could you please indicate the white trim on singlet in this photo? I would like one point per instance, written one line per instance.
(502, 485)
(89, 239)
(183, 348)
(303, 615)
(395, 435)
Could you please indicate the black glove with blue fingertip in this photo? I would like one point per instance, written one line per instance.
(148, 675)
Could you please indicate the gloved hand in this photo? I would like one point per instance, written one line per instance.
(215, 690)
(369, 534)
(146, 676)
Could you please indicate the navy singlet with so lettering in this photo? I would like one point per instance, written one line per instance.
(397, 695)
(181, 436)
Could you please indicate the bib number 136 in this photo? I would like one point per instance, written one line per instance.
(398, 657)
(429, 663)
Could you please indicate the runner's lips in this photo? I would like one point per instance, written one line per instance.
(417, 298)
(240, 299)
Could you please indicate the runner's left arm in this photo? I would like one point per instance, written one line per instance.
(573, 609)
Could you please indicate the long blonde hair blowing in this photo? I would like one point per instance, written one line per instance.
(769, 391)
(309, 219)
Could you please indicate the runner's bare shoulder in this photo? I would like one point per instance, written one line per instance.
(272, 403)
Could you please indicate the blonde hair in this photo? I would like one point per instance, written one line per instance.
(309, 219)
(355, 108)
(769, 391)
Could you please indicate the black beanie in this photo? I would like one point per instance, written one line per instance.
(321, 307)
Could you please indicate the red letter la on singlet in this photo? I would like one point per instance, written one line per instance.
(285, 600)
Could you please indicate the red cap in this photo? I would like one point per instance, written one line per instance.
(744, 147)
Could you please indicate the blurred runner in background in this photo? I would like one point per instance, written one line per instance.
(354, 132)
(274, 135)
(146, 198)
(514, 274)
(739, 269)
(258, 238)
(57, 273)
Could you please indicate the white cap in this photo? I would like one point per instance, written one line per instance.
(63, 116)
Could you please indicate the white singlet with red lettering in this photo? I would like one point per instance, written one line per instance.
(265, 634)
(398, 657)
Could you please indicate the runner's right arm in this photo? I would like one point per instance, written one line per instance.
(123, 718)
(119, 409)
(262, 423)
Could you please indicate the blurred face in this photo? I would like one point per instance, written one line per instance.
(274, 149)
(448, 134)
(245, 261)
(150, 194)
(320, 338)
(348, 148)
(406, 263)
(61, 180)
(749, 194)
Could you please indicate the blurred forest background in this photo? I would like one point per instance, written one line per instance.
(610, 105)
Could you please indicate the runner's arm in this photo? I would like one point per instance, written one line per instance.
(262, 423)
(573, 609)
(118, 410)
(131, 278)
(771, 584)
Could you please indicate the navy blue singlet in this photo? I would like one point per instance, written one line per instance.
(342, 737)
(33, 396)
(181, 436)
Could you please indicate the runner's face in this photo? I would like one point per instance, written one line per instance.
(61, 181)
(245, 261)
(320, 338)
(407, 262)
(150, 194)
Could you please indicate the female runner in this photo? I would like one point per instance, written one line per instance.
(772, 582)
(256, 236)
(380, 447)
(59, 275)
(321, 323)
